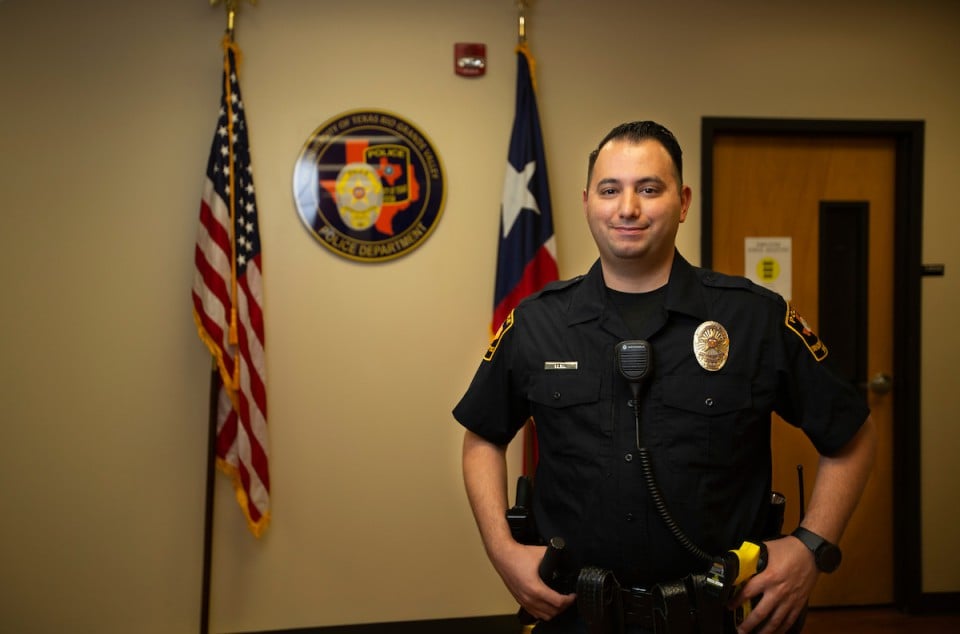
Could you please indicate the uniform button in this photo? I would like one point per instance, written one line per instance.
(629, 517)
(708, 402)
(556, 396)
(628, 457)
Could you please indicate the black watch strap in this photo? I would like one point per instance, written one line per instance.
(826, 555)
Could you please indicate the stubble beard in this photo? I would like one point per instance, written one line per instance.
(640, 257)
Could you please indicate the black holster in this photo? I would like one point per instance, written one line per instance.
(684, 607)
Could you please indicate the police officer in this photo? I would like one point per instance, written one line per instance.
(723, 354)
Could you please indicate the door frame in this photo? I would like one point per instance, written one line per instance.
(907, 266)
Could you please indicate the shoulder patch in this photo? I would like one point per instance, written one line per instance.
(798, 324)
(495, 342)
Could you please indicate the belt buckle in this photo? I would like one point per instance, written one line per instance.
(638, 607)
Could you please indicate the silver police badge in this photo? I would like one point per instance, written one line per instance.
(711, 345)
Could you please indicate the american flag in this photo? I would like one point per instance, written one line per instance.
(527, 252)
(228, 302)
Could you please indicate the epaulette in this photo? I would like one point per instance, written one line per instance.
(722, 280)
(792, 318)
(549, 288)
(558, 285)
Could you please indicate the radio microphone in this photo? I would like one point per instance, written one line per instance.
(633, 361)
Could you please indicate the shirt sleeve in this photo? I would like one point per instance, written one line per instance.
(828, 407)
(494, 406)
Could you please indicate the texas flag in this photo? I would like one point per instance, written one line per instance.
(527, 253)
(527, 250)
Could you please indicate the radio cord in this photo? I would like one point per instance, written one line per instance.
(654, 490)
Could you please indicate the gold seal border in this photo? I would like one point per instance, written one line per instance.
(420, 145)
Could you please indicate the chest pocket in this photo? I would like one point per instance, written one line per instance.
(715, 395)
(705, 418)
(566, 408)
(565, 388)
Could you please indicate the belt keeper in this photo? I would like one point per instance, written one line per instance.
(673, 610)
(598, 600)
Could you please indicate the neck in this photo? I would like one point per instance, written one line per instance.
(631, 276)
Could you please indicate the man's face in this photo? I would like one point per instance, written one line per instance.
(634, 203)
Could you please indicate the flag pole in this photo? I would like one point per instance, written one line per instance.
(209, 499)
(525, 203)
(214, 390)
(231, 7)
(522, 22)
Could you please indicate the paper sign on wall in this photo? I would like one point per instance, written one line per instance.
(768, 263)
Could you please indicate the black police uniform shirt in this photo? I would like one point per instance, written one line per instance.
(707, 432)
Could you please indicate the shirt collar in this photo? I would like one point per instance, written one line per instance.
(684, 293)
(589, 298)
(684, 290)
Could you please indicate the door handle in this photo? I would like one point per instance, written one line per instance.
(881, 383)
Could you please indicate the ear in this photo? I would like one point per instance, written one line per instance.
(686, 195)
(584, 202)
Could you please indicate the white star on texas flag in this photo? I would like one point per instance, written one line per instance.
(516, 195)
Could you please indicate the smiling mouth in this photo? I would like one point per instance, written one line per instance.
(628, 229)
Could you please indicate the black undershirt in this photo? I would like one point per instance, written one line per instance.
(637, 309)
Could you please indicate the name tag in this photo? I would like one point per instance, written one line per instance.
(559, 365)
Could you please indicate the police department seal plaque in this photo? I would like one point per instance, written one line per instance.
(369, 186)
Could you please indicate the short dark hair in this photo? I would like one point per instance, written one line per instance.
(637, 131)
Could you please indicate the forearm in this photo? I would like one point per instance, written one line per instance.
(785, 585)
(485, 478)
(840, 482)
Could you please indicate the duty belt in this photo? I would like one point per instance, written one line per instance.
(679, 607)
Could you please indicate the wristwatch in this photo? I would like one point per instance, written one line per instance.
(826, 555)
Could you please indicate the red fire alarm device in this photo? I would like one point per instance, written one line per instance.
(469, 60)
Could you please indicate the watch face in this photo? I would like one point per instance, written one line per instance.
(828, 557)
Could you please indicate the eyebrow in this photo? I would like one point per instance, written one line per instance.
(646, 180)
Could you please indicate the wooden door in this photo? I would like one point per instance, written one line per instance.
(773, 186)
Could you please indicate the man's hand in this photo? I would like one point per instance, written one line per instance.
(485, 477)
(786, 584)
(791, 571)
(517, 565)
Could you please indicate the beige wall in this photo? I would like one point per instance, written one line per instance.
(106, 116)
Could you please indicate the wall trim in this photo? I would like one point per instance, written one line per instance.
(496, 624)
(929, 603)
(939, 602)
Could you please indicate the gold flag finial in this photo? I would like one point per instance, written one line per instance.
(231, 6)
(522, 21)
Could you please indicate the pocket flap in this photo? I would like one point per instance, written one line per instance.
(707, 395)
(564, 388)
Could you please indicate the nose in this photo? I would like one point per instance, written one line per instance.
(630, 204)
